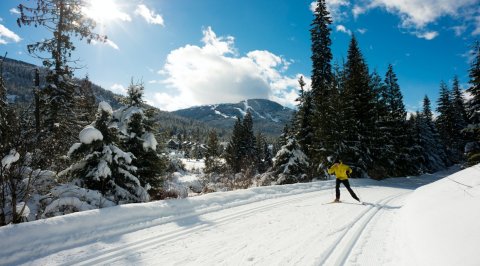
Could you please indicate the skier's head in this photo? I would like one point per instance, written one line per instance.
(337, 160)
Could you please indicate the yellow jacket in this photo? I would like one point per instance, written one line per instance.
(341, 170)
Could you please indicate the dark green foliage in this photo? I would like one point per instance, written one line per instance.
(212, 155)
(445, 120)
(322, 121)
(460, 121)
(264, 154)
(304, 118)
(358, 102)
(241, 153)
(435, 157)
(473, 148)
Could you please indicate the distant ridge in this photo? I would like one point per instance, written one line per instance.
(269, 117)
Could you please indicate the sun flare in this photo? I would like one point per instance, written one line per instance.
(104, 11)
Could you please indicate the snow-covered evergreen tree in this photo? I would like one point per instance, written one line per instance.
(460, 121)
(358, 102)
(304, 129)
(136, 128)
(290, 164)
(101, 165)
(323, 118)
(435, 157)
(445, 121)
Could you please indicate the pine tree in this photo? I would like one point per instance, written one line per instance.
(359, 106)
(381, 148)
(65, 19)
(460, 121)
(445, 120)
(397, 126)
(249, 142)
(137, 137)
(101, 165)
(323, 123)
(85, 103)
(241, 153)
(233, 152)
(263, 153)
(304, 130)
(434, 152)
(473, 148)
(5, 133)
(212, 155)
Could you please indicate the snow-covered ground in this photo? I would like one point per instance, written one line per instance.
(405, 221)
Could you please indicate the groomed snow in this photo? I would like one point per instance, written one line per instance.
(278, 225)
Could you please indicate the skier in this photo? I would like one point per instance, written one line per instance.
(342, 172)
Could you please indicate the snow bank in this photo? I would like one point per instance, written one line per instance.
(89, 135)
(441, 220)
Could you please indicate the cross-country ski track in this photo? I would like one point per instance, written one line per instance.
(280, 225)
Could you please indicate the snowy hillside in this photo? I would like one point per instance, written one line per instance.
(269, 117)
(400, 224)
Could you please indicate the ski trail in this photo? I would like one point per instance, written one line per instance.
(55, 244)
(339, 251)
(161, 239)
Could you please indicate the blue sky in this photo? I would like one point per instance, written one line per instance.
(191, 52)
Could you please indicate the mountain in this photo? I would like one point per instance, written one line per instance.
(268, 117)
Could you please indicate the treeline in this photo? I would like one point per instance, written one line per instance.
(358, 116)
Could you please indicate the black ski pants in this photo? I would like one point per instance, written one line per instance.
(347, 185)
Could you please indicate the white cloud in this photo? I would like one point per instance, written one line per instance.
(417, 15)
(427, 35)
(215, 73)
(459, 30)
(14, 11)
(477, 26)
(149, 15)
(358, 10)
(362, 30)
(336, 9)
(6, 34)
(119, 89)
(341, 28)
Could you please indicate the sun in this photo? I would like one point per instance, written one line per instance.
(104, 11)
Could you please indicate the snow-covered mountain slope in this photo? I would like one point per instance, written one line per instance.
(278, 225)
(268, 117)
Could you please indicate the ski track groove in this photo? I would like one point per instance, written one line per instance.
(161, 239)
(346, 242)
(53, 246)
